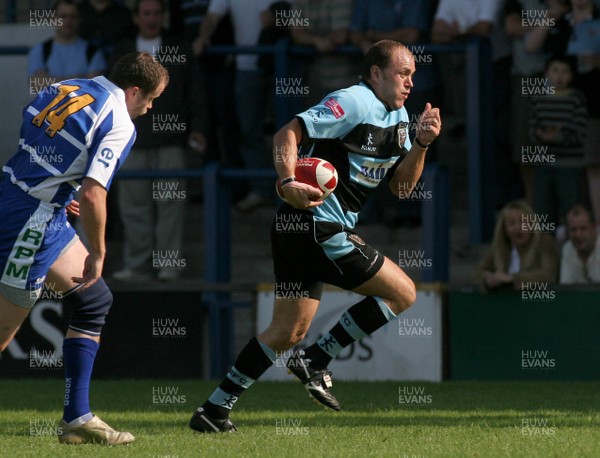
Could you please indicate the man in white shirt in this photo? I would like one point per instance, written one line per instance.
(580, 261)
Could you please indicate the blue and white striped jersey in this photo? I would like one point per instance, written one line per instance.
(363, 139)
(73, 129)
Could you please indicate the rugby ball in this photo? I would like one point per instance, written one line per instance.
(315, 172)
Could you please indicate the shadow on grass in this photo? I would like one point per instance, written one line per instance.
(501, 404)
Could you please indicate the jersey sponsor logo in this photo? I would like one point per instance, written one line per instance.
(335, 108)
(22, 256)
(105, 155)
(371, 173)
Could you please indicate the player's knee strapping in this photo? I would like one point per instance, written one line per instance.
(89, 308)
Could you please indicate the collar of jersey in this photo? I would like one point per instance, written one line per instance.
(365, 83)
(111, 87)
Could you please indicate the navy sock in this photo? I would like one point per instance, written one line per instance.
(358, 321)
(79, 355)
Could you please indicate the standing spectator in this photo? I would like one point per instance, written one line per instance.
(105, 23)
(517, 255)
(328, 27)
(552, 37)
(66, 55)
(249, 87)
(151, 220)
(456, 21)
(272, 33)
(580, 260)
(558, 123)
(520, 18)
(218, 72)
(585, 44)
(406, 21)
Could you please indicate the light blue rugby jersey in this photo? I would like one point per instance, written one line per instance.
(73, 129)
(363, 140)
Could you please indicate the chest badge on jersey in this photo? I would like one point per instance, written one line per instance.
(402, 134)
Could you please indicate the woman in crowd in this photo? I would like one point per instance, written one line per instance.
(521, 253)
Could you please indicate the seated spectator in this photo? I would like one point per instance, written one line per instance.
(66, 55)
(517, 255)
(580, 260)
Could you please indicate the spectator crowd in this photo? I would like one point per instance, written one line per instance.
(221, 107)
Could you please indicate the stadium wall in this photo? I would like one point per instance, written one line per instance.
(158, 334)
(530, 335)
(455, 335)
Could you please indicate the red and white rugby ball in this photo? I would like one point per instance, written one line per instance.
(315, 172)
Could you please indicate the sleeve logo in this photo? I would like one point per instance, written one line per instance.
(335, 108)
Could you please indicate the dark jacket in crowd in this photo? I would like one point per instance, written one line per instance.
(182, 107)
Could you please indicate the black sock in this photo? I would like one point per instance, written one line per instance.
(358, 321)
(254, 359)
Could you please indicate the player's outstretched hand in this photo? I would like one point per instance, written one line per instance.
(429, 125)
(301, 195)
(92, 270)
(73, 208)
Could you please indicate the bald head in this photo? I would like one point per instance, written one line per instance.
(389, 68)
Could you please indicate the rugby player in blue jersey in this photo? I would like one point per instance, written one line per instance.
(75, 135)
(363, 131)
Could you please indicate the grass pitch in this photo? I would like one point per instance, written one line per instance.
(450, 419)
